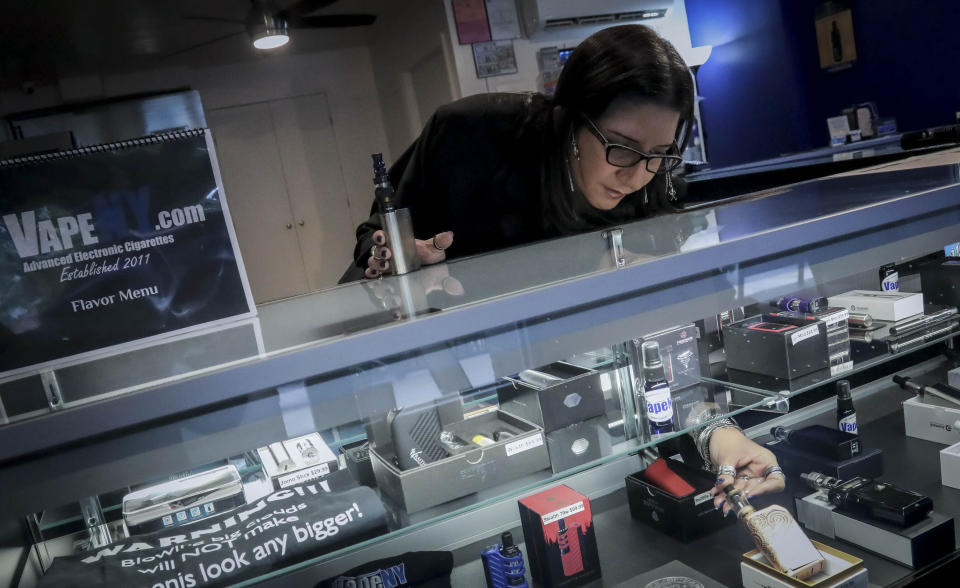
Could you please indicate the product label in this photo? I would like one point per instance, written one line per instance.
(848, 424)
(840, 368)
(562, 513)
(302, 476)
(805, 333)
(659, 405)
(525, 444)
(701, 498)
(833, 319)
(891, 282)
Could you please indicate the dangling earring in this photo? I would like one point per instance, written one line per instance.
(645, 199)
(575, 147)
(671, 192)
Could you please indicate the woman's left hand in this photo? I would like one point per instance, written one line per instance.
(730, 446)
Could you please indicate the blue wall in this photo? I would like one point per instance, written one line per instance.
(765, 94)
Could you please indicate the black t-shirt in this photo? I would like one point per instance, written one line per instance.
(489, 168)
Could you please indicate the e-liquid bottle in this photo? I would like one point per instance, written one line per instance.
(656, 390)
(889, 278)
(846, 414)
(396, 222)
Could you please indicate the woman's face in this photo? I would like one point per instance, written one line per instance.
(648, 128)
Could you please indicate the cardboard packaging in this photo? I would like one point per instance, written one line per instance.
(686, 518)
(554, 396)
(560, 538)
(932, 419)
(914, 546)
(298, 460)
(884, 306)
(782, 347)
(679, 351)
(842, 570)
(950, 466)
(458, 475)
(869, 463)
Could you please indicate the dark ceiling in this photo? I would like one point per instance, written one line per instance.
(43, 40)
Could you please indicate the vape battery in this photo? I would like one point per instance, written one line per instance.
(298, 460)
(183, 501)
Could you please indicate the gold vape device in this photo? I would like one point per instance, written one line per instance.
(777, 536)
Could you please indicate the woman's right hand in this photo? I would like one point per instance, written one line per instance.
(379, 262)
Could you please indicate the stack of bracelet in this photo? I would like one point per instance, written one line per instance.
(702, 438)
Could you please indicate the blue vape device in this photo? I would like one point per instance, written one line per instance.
(503, 564)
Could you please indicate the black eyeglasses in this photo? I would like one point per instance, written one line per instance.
(622, 156)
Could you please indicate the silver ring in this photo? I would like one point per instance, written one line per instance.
(727, 470)
(373, 252)
(743, 477)
(773, 470)
(437, 245)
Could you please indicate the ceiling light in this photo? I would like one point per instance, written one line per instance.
(266, 30)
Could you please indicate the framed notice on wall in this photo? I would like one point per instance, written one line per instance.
(835, 43)
(107, 246)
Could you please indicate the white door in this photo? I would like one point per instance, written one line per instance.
(256, 190)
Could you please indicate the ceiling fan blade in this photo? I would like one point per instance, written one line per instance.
(331, 21)
(217, 19)
(204, 44)
(302, 8)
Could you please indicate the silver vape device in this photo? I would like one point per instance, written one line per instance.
(396, 223)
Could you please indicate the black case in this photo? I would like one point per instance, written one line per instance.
(782, 351)
(687, 518)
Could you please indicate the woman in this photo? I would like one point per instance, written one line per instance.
(499, 170)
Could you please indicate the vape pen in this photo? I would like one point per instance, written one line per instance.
(924, 321)
(396, 223)
(503, 564)
(942, 391)
(307, 451)
(860, 320)
(656, 390)
(846, 414)
(873, 499)
(280, 455)
(802, 304)
(820, 440)
(568, 540)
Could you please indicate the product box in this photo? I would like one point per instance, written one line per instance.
(578, 444)
(182, 501)
(471, 470)
(559, 535)
(298, 460)
(782, 347)
(940, 281)
(554, 396)
(914, 546)
(838, 335)
(884, 306)
(686, 518)
(953, 377)
(842, 570)
(869, 463)
(932, 419)
(950, 466)
(357, 457)
(678, 352)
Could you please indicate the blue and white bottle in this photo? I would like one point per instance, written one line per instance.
(656, 390)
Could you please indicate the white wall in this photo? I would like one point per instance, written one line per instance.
(673, 27)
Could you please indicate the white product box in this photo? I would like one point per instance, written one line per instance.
(842, 570)
(884, 306)
(953, 377)
(932, 419)
(295, 461)
(950, 466)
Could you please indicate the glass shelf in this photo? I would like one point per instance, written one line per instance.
(762, 384)
(726, 400)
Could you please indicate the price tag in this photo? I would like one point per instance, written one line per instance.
(525, 444)
(805, 333)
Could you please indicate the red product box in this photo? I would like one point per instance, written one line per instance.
(561, 543)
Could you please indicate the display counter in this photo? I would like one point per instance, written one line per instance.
(341, 370)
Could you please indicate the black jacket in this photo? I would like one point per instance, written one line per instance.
(490, 168)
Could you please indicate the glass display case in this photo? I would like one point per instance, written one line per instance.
(434, 400)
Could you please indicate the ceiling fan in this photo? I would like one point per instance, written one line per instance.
(269, 27)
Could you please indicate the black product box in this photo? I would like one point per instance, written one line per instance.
(914, 546)
(687, 518)
(555, 395)
(560, 538)
(869, 463)
(783, 347)
(679, 351)
(940, 282)
(578, 444)
(521, 450)
(357, 457)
